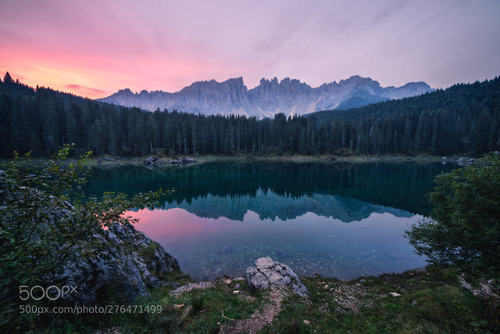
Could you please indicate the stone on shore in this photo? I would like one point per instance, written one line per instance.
(268, 273)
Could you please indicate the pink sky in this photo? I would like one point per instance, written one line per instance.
(94, 48)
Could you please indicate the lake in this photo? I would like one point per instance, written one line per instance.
(338, 220)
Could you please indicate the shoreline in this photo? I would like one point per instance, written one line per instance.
(108, 160)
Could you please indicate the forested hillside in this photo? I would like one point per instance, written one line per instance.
(461, 119)
(464, 118)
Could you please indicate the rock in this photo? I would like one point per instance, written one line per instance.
(268, 273)
(187, 160)
(395, 294)
(236, 292)
(190, 286)
(307, 322)
(124, 267)
(238, 279)
(256, 280)
(118, 264)
(237, 286)
(150, 161)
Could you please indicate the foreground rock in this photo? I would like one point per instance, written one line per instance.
(191, 286)
(96, 266)
(123, 268)
(268, 273)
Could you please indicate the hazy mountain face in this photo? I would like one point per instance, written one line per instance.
(289, 96)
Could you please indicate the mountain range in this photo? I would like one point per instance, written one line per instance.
(288, 96)
(269, 205)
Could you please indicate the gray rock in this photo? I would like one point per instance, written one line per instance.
(127, 264)
(150, 161)
(190, 286)
(268, 273)
(256, 280)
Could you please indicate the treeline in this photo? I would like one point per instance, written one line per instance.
(464, 118)
(461, 119)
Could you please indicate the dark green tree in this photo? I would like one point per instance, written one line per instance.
(464, 227)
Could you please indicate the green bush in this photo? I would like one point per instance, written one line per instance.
(46, 220)
(464, 227)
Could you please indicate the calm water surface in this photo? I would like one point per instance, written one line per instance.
(338, 220)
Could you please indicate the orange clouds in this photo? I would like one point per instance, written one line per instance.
(95, 48)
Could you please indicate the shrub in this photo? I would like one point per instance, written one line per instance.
(464, 227)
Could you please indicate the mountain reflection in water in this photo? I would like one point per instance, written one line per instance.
(223, 216)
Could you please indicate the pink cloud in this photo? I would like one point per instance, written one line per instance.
(155, 45)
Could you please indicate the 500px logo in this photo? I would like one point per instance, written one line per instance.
(38, 292)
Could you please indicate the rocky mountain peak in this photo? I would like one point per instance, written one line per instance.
(288, 96)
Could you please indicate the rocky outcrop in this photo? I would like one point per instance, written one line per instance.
(288, 96)
(124, 265)
(152, 161)
(191, 286)
(92, 266)
(268, 273)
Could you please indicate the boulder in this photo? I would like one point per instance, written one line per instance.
(123, 267)
(269, 273)
(150, 161)
(118, 264)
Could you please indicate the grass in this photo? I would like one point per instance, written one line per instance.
(431, 301)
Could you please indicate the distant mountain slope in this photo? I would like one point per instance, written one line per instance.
(289, 96)
(470, 99)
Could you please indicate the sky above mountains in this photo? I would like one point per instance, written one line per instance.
(94, 48)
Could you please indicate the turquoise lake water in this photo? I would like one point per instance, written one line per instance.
(338, 220)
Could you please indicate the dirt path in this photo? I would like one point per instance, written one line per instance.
(258, 319)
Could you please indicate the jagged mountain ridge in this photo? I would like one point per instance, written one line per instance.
(289, 96)
(269, 205)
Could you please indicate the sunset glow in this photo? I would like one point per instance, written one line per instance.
(95, 48)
